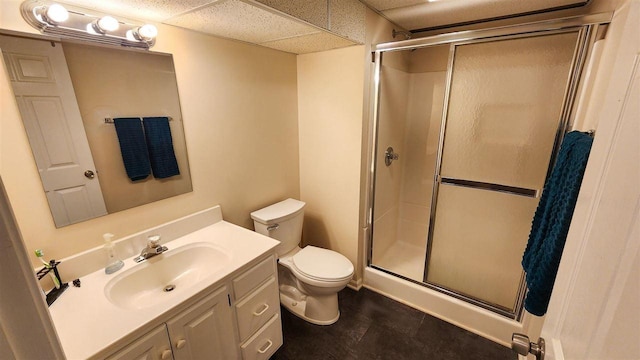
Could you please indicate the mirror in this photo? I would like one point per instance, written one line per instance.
(68, 93)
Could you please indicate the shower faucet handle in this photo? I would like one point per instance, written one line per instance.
(389, 156)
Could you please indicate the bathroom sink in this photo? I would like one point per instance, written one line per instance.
(161, 277)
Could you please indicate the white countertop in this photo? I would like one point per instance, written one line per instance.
(87, 322)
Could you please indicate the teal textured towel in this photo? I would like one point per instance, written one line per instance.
(133, 147)
(552, 219)
(160, 144)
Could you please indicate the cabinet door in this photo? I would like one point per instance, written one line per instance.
(205, 331)
(153, 346)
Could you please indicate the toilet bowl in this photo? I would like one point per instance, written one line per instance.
(309, 277)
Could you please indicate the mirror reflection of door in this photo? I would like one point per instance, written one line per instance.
(44, 93)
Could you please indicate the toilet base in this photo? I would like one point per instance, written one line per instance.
(319, 311)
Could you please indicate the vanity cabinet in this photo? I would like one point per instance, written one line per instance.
(241, 323)
(257, 307)
(204, 331)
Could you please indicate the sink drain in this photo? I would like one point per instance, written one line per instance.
(169, 288)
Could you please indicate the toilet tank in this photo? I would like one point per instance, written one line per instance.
(281, 221)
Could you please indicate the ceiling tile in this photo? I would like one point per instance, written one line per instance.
(309, 43)
(348, 19)
(154, 10)
(313, 11)
(238, 20)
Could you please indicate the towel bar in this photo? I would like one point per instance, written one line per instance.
(109, 120)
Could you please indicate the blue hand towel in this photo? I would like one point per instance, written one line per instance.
(133, 148)
(552, 219)
(160, 144)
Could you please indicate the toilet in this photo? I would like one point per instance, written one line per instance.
(309, 277)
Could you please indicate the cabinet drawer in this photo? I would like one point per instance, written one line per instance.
(257, 308)
(250, 279)
(264, 343)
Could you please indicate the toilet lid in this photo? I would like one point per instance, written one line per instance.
(322, 264)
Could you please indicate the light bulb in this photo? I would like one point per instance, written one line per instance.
(56, 13)
(148, 31)
(107, 23)
(130, 36)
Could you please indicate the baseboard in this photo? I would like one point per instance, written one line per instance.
(355, 284)
(554, 349)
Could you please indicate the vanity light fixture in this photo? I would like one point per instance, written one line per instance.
(73, 22)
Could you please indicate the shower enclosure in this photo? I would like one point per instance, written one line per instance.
(467, 126)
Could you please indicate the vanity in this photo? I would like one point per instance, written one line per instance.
(212, 295)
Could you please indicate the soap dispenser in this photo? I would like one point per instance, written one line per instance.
(113, 261)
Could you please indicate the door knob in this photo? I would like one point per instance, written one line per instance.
(520, 344)
(89, 174)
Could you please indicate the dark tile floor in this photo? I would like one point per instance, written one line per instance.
(372, 326)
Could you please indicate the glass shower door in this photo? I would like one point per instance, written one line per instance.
(412, 89)
(503, 112)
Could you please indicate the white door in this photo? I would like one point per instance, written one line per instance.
(594, 311)
(44, 92)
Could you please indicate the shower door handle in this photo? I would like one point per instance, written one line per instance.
(389, 156)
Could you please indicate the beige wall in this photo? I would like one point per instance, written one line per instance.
(330, 120)
(123, 83)
(240, 120)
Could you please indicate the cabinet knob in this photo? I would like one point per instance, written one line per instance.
(181, 343)
(166, 355)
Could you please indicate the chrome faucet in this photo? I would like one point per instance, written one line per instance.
(152, 249)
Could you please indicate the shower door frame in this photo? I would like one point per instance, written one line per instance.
(590, 28)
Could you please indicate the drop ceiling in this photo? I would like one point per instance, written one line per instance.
(254, 22)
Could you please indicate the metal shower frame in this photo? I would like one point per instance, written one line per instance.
(590, 28)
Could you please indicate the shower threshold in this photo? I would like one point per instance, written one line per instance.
(464, 314)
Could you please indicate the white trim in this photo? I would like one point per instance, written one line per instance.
(355, 284)
(558, 354)
(23, 312)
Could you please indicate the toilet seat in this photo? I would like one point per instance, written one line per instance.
(322, 265)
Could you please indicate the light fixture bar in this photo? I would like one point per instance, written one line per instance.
(71, 22)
